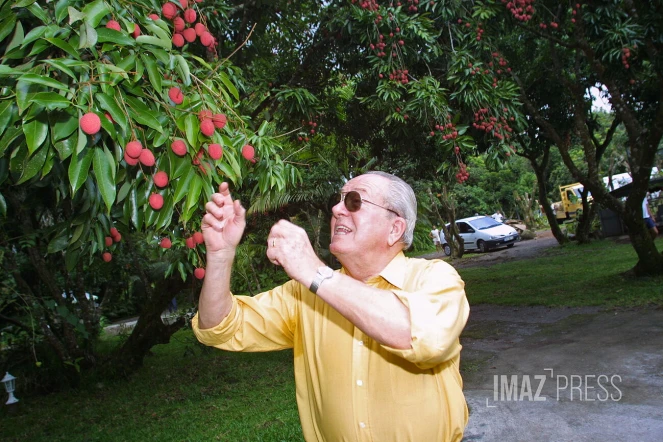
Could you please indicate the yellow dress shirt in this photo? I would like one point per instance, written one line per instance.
(349, 387)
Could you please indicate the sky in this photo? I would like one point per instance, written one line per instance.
(598, 102)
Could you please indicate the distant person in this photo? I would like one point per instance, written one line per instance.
(649, 218)
(435, 235)
(376, 348)
(497, 216)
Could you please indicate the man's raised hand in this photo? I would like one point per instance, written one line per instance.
(224, 222)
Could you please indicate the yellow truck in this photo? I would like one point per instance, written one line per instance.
(567, 209)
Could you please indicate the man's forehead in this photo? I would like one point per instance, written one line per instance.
(364, 184)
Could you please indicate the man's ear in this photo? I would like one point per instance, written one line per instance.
(397, 230)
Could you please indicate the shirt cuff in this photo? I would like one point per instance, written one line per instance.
(221, 332)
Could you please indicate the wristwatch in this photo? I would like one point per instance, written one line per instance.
(323, 273)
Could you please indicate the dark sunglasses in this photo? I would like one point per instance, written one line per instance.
(353, 202)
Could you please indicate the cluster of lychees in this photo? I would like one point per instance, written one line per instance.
(191, 243)
(114, 237)
(370, 5)
(462, 175)
(448, 131)
(412, 5)
(185, 27)
(498, 127)
(626, 54)
(399, 76)
(521, 9)
(574, 12)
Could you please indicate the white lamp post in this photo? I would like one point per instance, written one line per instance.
(10, 383)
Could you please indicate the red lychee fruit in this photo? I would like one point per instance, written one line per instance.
(114, 231)
(199, 273)
(190, 242)
(219, 120)
(108, 241)
(184, 4)
(154, 17)
(178, 147)
(215, 151)
(146, 158)
(166, 243)
(176, 95)
(117, 238)
(130, 161)
(248, 152)
(178, 24)
(109, 117)
(200, 29)
(106, 256)
(199, 155)
(207, 128)
(90, 123)
(133, 149)
(178, 40)
(190, 16)
(112, 24)
(136, 32)
(206, 39)
(160, 179)
(189, 35)
(204, 114)
(169, 10)
(156, 201)
(198, 238)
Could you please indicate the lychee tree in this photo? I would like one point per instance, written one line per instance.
(112, 131)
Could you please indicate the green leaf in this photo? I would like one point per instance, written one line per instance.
(183, 70)
(51, 100)
(79, 168)
(95, 11)
(43, 80)
(183, 185)
(17, 39)
(229, 85)
(7, 139)
(104, 172)
(33, 35)
(150, 40)
(107, 103)
(106, 35)
(69, 49)
(59, 242)
(3, 206)
(33, 165)
(146, 118)
(157, 30)
(136, 211)
(193, 195)
(71, 258)
(23, 3)
(66, 147)
(62, 125)
(61, 10)
(5, 114)
(35, 132)
(62, 67)
(75, 15)
(88, 36)
(38, 12)
(152, 71)
(191, 128)
(7, 25)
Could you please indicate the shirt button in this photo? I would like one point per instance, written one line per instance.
(360, 343)
(362, 425)
(360, 383)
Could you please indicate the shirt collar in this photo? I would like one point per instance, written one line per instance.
(394, 272)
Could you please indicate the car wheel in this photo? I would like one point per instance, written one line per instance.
(510, 245)
(482, 247)
(447, 250)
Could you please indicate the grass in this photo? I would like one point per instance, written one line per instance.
(184, 392)
(187, 392)
(573, 275)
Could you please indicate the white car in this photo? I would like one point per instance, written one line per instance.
(483, 233)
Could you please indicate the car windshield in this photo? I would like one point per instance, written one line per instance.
(484, 223)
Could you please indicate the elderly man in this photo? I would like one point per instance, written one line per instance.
(376, 347)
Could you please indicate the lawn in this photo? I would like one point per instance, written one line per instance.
(187, 392)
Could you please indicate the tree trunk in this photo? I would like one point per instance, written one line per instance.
(150, 329)
(540, 171)
(584, 220)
